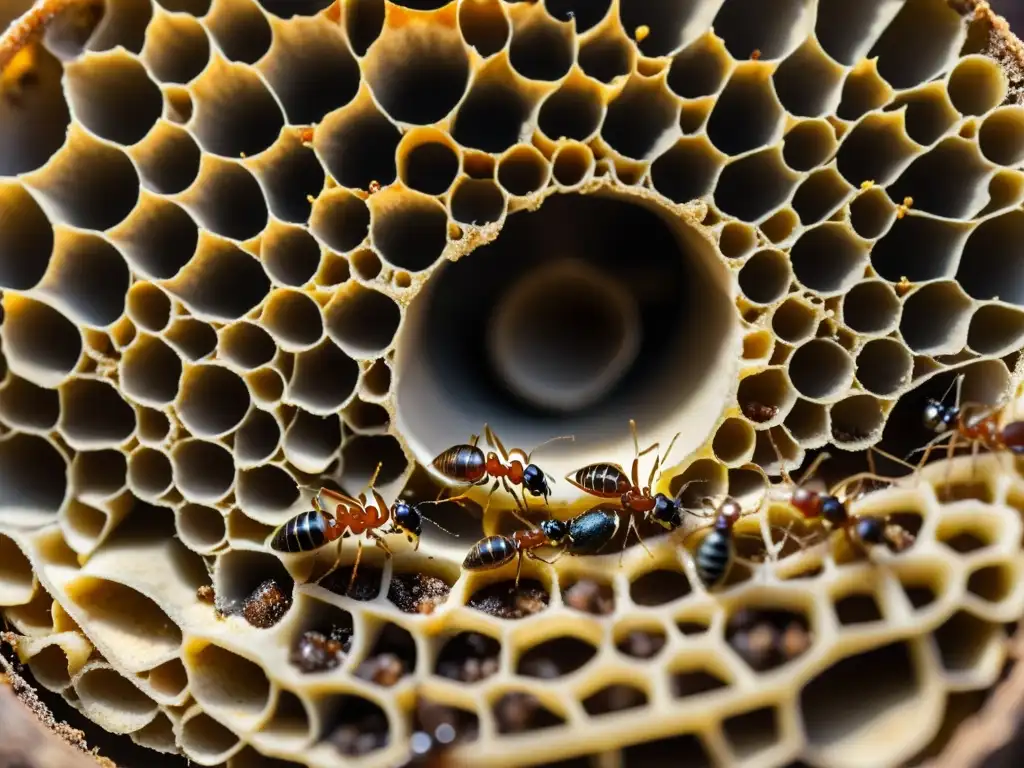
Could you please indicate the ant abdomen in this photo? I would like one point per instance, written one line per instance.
(463, 463)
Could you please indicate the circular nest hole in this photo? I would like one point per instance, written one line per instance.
(594, 331)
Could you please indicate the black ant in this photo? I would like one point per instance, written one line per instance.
(310, 530)
(609, 481)
(467, 464)
(586, 534)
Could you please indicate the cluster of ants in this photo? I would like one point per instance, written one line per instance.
(590, 532)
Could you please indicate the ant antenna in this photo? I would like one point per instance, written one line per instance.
(956, 382)
(571, 438)
(440, 527)
(373, 477)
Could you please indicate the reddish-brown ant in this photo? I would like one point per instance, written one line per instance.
(963, 422)
(313, 529)
(467, 464)
(861, 531)
(609, 481)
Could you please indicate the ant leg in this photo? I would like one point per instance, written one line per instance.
(355, 569)
(474, 440)
(948, 474)
(928, 447)
(376, 473)
(519, 570)
(553, 560)
(496, 443)
(490, 495)
(632, 527)
(521, 514)
(334, 565)
(809, 472)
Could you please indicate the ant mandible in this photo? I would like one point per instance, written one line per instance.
(609, 481)
(466, 464)
(313, 529)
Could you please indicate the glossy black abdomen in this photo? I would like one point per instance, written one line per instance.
(591, 531)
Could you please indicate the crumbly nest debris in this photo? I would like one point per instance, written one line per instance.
(810, 212)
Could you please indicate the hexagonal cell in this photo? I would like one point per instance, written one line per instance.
(235, 114)
(765, 277)
(357, 145)
(689, 680)
(821, 369)
(468, 657)
(659, 587)
(747, 115)
(520, 712)
(492, 116)
(95, 89)
(410, 230)
(503, 601)
(828, 259)
(700, 68)
(241, 30)
(640, 642)
(574, 111)
(323, 378)
(642, 121)
(753, 732)
(477, 202)
(392, 657)
(357, 727)
(857, 608)
(687, 170)
(484, 26)
(614, 698)
(310, 69)
(820, 195)
(993, 260)
(555, 658)
(936, 319)
(766, 638)
(920, 42)
(541, 47)
(340, 219)
(93, 414)
(884, 366)
(965, 641)
(417, 592)
(755, 185)
(35, 131)
(871, 306)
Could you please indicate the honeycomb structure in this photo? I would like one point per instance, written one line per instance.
(283, 263)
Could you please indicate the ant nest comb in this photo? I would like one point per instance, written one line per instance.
(249, 247)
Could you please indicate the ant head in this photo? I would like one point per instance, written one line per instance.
(871, 530)
(833, 510)
(806, 501)
(937, 417)
(535, 481)
(665, 512)
(729, 513)
(555, 530)
(407, 519)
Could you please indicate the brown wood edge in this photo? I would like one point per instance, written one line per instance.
(30, 736)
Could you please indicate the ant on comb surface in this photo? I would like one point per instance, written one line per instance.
(610, 481)
(467, 465)
(585, 534)
(971, 424)
(313, 529)
(832, 506)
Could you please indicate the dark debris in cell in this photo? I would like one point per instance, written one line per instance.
(392, 658)
(642, 644)
(692, 627)
(435, 729)
(518, 712)
(555, 658)
(614, 698)
(504, 601)
(366, 586)
(362, 727)
(266, 606)
(469, 657)
(318, 652)
(768, 639)
(590, 596)
(417, 592)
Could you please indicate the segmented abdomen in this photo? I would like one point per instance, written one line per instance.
(604, 480)
(489, 553)
(303, 533)
(713, 558)
(465, 463)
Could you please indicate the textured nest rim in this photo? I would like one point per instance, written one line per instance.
(991, 728)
